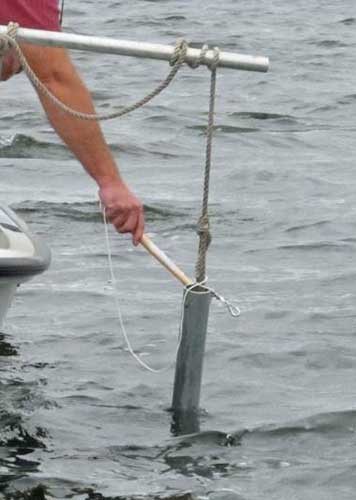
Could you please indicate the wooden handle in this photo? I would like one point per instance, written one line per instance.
(164, 260)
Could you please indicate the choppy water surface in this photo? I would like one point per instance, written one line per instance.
(77, 415)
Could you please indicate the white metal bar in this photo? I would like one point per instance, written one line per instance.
(135, 49)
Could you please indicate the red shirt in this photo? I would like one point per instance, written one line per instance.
(36, 14)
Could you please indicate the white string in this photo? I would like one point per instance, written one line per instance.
(118, 307)
(119, 312)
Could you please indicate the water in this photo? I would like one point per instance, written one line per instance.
(78, 416)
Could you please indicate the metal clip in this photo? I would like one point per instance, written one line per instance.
(232, 308)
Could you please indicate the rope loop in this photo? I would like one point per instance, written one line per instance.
(180, 51)
(12, 29)
(8, 39)
(216, 59)
(233, 309)
(201, 58)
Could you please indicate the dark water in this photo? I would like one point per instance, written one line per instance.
(77, 415)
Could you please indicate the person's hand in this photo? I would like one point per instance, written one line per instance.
(123, 209)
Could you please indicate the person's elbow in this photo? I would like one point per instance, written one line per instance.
(52, 66)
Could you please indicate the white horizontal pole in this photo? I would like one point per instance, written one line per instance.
(135, 49)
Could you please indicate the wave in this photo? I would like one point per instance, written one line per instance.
(320, 245)
(37, 493)
(197, 455)
(212, 438)
(89, 211)
(347, 99)
(17, 436)
(258, 115)
(6, 349)
(312, 225)
(348, 21)
(40, 492)
(321, 423)
(306, 247)
(24, 146)
(175, 18)
(84, 212)
(329, 44)
(324, 422)
(225, 129)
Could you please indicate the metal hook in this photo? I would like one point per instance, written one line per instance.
(232, 308)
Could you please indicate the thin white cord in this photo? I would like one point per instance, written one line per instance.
(118, 307)
(119, 312)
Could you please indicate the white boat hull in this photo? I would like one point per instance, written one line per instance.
(22, 256)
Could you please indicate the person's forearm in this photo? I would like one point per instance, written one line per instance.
(84, 138)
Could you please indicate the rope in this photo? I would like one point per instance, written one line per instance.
(6, 40)
(178, 59)
(61, 14)
(203, 223)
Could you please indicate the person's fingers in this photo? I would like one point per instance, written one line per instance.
(113, 213)
(129, 225)
(138, 233)
(123, 210)
(115, 218)
(119, 221)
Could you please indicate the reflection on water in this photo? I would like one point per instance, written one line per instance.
(17, 441)
(6, 348)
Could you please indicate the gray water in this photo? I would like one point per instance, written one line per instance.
(78, 415)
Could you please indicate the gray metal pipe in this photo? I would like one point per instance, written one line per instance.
(135, 49)
(190, 357)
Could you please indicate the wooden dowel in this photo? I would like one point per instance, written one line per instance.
(166, 262)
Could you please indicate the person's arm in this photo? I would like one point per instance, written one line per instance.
(84, 138)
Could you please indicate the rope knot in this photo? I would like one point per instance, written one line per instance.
(201, 57)
(12, 29)
(203, 228)
(178, 56)
(6, 40)
(216, 59)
